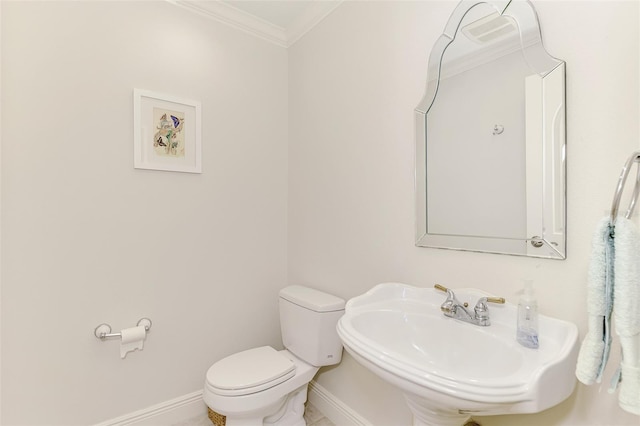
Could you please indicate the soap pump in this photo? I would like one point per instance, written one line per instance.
(527, 327)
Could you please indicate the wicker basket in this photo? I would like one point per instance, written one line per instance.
(216, 418)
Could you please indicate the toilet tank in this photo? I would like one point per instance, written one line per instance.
(308, 320)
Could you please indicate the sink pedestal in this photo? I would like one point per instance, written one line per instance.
(426, 413)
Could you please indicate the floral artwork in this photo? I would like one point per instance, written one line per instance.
(168, 139)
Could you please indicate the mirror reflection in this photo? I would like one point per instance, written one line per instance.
(490, 136)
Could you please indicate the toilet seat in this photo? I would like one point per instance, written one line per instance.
(250, 371)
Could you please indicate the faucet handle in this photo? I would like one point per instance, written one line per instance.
(450, 294)
(499, 300)
(482, 310)
(481, 305)
(441, 288)
(449, 305)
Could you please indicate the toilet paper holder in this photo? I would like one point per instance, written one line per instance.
(103, 331)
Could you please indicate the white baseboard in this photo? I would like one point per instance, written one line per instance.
(163, 414)
(189, 406)
(333, 408)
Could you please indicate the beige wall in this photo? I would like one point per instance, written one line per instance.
(85, 237)
(353, 84)
(88, 239)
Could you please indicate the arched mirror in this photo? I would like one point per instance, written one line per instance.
(490, 136)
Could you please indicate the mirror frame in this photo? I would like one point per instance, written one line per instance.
(546, 123)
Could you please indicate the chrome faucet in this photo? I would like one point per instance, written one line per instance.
(454, 309)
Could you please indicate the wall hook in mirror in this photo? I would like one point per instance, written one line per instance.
(498, 129)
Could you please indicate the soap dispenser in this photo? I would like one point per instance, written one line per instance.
(527, 327)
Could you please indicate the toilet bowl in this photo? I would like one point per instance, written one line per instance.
(263, 386)
(266, 393)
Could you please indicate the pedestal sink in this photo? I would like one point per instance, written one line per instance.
(449, 370)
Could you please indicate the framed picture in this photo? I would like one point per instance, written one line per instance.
(167, 132)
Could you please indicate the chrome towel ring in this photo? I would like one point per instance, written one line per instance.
(634, 158)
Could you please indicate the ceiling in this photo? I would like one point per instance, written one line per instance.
(277, 21)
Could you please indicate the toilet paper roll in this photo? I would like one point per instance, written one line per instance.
(132, 339)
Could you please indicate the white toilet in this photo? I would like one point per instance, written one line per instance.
(262, 386)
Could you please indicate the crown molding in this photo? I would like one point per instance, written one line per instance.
(312, 16)
(244, 21)
(236, 18)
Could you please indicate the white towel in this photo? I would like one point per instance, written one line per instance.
(594, 351)
(627, 311)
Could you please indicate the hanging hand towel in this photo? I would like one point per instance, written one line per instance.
(627, 311)
(594, 351)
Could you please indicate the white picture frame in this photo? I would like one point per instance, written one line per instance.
(167, 132)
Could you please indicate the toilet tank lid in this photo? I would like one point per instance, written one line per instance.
(312, 299)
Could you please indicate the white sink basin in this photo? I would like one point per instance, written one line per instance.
(449, 369)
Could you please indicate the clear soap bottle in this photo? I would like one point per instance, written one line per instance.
(527, 327)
